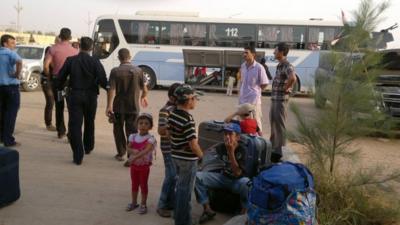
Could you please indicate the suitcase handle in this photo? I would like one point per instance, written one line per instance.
(216, 125)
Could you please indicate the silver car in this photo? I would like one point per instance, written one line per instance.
(32, 57)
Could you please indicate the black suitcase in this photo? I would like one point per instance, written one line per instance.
(210, 133)
(9, 176)
(222, 200)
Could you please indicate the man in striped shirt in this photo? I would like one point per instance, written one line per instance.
(185, 151)
(167, 195)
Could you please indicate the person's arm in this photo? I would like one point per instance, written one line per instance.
(47, 62)
(110, 100)
(149, 147)
(63, 74)
(18, 68)
(110, 95)
(239, 81)
(101, 74)
(231, 147)
(230, 117)
(263, 79)
(143, 97)
(291, 80)
(195, 147)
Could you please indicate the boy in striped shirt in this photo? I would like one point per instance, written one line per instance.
(185, 151)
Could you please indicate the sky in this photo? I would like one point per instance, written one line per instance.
(51, 15)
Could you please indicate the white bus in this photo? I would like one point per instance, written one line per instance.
(157, 42)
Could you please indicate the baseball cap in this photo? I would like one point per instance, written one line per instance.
(183, 92)
(245, 108)
(232, 127)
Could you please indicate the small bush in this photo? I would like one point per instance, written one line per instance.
(341, 201)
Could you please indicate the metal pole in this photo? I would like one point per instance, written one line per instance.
(18, 8)
(89, 23)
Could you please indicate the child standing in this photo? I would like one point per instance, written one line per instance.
(231, 82)
(140, 147)
(167, 195)
(185, 151)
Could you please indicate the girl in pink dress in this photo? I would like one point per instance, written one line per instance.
(140, 147)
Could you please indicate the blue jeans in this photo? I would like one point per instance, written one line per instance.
(167, 195)
(206, 180)
(9, 106)
(186, 171)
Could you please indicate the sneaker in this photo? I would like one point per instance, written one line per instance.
(164, 213)
(143, 209)
(206, 216)
(51, 128)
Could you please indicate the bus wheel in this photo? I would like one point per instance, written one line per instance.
(149, 77)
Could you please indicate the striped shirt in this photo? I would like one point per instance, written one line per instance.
(163, 115)
(182, 130)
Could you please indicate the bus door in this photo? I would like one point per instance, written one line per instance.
(106, 42)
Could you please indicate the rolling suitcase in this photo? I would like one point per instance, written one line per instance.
(210, 133)
(9, 176)
(258, 154)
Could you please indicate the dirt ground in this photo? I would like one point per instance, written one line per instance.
(55, 191)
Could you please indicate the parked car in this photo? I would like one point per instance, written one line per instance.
(32, 58)
(387, 84)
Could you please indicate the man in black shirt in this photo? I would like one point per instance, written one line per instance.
(231, 177)
(85, 75)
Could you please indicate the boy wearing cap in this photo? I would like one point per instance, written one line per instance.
(185, 151)
(247, 122)
(232, 177)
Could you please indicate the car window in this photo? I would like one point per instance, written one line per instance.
(29, 52)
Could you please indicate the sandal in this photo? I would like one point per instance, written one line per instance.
(143, 209)
(206, 216)
(131, 207)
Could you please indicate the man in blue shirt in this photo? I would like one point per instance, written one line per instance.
(10, 69)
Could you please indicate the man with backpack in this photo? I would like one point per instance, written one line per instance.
(231, 177)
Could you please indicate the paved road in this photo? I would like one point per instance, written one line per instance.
(56, 192)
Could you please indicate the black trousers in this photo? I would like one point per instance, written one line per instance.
(60, 105)
(9, 106)
(127, 121)
(49, 97)
(82, 107)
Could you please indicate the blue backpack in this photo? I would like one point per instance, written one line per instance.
(282, 194)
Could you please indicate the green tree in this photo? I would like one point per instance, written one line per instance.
(346, 192)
